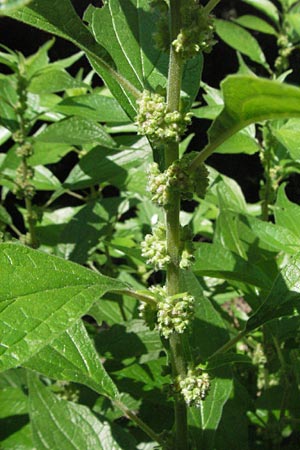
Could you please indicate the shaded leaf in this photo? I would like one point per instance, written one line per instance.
(41, 296)
(72, 357)
(57, 423)
(13, 402)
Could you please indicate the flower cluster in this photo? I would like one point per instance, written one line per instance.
(154, 121)
(154, 247)
(174, 312)
(197, 31)
(194, 387)
(179, 178)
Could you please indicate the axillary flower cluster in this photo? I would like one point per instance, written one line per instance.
(194, 387)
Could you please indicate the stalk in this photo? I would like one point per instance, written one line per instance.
(173, 230)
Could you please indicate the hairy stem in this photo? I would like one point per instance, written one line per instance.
(211, 5)
(173, 230)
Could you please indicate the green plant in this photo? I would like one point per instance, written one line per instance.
(147, 338)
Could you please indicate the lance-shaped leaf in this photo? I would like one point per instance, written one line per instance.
(283, 297)
(41, 296)
(72, 357)
(57, 423)
(248, 99)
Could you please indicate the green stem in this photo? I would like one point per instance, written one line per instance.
(211, 5)
(176, 349)
(139, 422)
(229, 344)
(134, 294)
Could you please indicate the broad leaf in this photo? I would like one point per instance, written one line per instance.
(287, 213)
(94, 107)
(250, 99)
(75, 130)
(288, 135)
(13, 402)
(283, 297)
(241, 40)
(72, 357)
(57, 423)
(216, 261)
(20, 440)
(207, 335)
(41, 296)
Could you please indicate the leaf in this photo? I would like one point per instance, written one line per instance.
(20, 440)
(256, 24)
(208, 334)
(241, 40)
(53, 80)
(8, 5)
(241, 142)
(283, 297)
(105, 164)
(13, 402)
(72, 357)
(93, 107)
(50, 16)
(57, 423)
(41, 296)
(288, 135)
(77, 131)
(267, 7)
(216, 261)
(250, 99)
(125, 28)
(287, 213)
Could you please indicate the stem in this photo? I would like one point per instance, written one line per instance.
(142, 297)
(176, 349)
(211, 5)
(139, 422)
(229, 344)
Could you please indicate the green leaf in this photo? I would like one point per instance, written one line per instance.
(48, 153)
(105, 164)
(250, 99)
(208, 334)
(41, 296)
(216, 261)
(72, 357)
(288, 135)
(125, 29)
(75, 130)
(57, 423)
(13, 402)
(53, 80)
(4, 216)
(93, 107)
(20, 440)
(287, 213)
(283, 297)
(241, 142)
(241, 40)
(267, 7)
(8, 5)
(50, 16)
(256, 24)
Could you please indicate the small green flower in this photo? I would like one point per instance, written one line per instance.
(154, 247)
(174, 312)
(154, 120)
(194, 387)
(197, 31)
